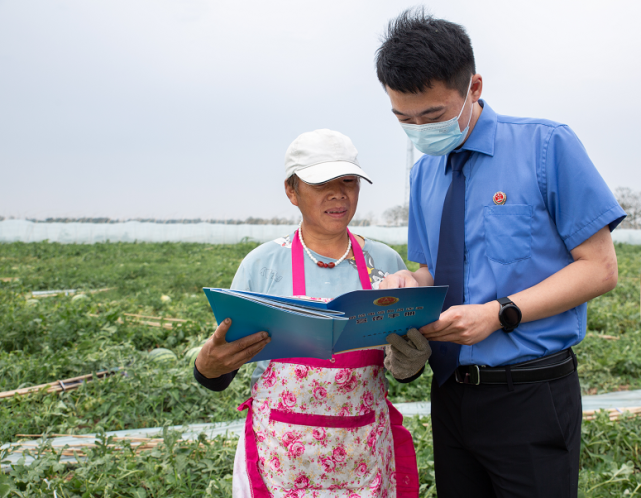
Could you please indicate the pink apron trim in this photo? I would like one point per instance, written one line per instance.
(298, 265)
(354, 359)
(372, 357)
(245, 405)
(258, 487)
(363, 274)
(331, 421)
(407, 482)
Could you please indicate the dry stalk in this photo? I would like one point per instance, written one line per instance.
(157, 318)
(138, 319)
(58, 385)
(613, 413)
(604, 336)
(68, 292)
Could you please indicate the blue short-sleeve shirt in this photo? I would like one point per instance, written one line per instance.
(555, 200)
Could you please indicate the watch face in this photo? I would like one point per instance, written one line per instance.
(511, 316)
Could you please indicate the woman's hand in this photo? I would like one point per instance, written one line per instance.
(405, 356)
(218, 357)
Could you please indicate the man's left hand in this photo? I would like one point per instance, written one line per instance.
(467, 324)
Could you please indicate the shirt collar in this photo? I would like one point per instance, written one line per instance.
(484, 132)
(482, 137)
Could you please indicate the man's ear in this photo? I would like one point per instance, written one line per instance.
(291, 194)
(477, 87)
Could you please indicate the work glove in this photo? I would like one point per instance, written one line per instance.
(406, 355)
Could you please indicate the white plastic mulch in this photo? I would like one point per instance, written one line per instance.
(131, 231)
(208, 233)
(189, 432)
(617, 400)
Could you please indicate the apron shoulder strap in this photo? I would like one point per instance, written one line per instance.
(363, 275)
(298, 266)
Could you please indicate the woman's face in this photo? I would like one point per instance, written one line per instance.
(329, 207)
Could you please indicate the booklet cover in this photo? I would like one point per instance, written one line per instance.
(309, 328)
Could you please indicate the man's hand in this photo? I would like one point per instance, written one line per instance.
(467, 324)
(403, 278)
(218, 357)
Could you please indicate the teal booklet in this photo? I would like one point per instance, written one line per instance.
(315, 329)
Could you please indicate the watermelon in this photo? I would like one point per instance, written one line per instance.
(190, 356)
(162, 355)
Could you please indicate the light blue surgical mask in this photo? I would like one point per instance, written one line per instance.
(438, 139)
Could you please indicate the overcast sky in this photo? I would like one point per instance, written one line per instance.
(184, 109)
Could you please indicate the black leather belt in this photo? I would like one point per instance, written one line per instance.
(547, 368)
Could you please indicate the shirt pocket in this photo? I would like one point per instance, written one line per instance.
(508, 232)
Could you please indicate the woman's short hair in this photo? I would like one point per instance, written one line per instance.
(292, 182)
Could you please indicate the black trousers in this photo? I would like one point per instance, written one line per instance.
(493, 442)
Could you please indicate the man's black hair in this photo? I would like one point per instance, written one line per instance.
(419, 49)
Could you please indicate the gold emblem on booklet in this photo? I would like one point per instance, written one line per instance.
(386, 301)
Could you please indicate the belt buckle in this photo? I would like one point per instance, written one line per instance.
(476, 372)
(473, 377)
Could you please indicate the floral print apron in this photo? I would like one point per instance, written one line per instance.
(324, 428)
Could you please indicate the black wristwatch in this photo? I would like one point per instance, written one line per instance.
(509, 314)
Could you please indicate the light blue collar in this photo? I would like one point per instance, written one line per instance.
(484, 132)
(483, 135)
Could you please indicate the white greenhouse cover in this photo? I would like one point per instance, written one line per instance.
(208, 233)
(132, 231)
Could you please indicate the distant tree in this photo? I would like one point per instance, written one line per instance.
(396, 216)
(363, 220)
(360, 222)
(630, 201)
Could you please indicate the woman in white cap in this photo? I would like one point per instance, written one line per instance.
(318, 428)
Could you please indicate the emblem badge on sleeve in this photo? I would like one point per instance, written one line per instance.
(499, 198)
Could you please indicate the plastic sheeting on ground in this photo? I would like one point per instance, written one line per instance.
(618, 400)
(189, 432)
(208, 233)
(627, 236)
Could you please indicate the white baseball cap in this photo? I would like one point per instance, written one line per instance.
(322, 155)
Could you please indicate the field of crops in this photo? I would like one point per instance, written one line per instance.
(46, 339)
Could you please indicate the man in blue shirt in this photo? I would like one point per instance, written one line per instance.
(514, 217)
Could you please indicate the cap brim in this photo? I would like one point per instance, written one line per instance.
(325, 172)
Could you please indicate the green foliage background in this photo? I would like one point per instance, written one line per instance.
(58, 337)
